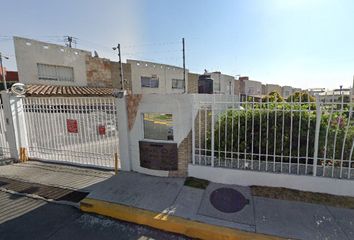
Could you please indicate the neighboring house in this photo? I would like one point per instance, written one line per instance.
(192, 82)
(264, 89)
(250, 87)
(273, 88)
(286, 91)
(149, 77)
(316, 91)
(51, 64)
(11, 77)
(217, 83)
(334, 95)
(297, 90)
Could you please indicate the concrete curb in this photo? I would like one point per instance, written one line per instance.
(167, 223)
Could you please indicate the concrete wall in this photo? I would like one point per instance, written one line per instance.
(165, 74)
(127, 75)
(251, 87)
(226, 82)
(286, 91)
(98, 72)
(180, 106)
(192, 83)
(273, 88)
(30, 52)
(248, 178)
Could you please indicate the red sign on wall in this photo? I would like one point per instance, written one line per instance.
(101, 129)
(71, 125)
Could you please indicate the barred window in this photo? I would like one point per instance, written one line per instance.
(149, 82)
(55, 73)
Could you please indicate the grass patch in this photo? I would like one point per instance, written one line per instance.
(302, 196)
(196, 182)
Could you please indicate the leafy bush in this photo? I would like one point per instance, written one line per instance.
(281, 140)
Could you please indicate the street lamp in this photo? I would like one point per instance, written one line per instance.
(2, 71)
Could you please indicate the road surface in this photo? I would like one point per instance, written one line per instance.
(26, 218)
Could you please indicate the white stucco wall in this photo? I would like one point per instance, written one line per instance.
(273, 88)
(286, 91)
(249, 178)
(252, 87)
(165, 73)
(180, 106)
(227, 83)
(30, 52)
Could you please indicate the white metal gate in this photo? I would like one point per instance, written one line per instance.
(77, 130)
(4, 145)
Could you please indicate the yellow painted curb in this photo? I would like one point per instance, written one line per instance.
(167, 223)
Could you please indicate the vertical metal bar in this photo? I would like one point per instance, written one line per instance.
(350, 160)
(213, 131)
(344, 140)
(200, 133)
(291, 131)
(205, 133)
(282, 139)
(238, 131)
(193, 130)
(307, 135)
(252, 133)
(317, 134)
(326, 138)
(260, 135)
(299, 137)
(275, 134)
(225, 136)
(232, 132)
(245, 146)
(339, 119)
(267, 135)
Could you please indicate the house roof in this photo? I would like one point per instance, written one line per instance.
(66, 91)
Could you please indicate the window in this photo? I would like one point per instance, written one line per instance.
(177, 84)
(55, 73)
(158, 126)
(150, 82)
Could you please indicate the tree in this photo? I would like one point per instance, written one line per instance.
(304, 96)
(273, 97)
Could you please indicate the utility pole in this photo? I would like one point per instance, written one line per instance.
(120, 65)
(184, 65)
(2, 71)
(69, 41)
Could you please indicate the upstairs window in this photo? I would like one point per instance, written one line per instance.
(177, 84)
(55, 73)
(150, 82)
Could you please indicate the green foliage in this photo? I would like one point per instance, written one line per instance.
(234, 132)
(273, 97)
(300, 97)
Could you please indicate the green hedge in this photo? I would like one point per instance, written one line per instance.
(275, 122)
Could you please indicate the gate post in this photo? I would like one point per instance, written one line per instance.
(123, 132)
(16, 133)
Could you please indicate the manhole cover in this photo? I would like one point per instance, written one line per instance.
(227, 200)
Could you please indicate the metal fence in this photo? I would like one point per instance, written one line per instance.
(4, 145)
(294, 137)
(72, 130)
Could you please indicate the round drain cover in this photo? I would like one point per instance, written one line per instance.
(227, 200)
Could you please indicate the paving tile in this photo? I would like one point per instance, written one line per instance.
(295, 220)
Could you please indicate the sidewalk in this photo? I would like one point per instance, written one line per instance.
(167, 204)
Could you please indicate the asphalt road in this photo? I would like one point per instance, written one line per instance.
(27, 218)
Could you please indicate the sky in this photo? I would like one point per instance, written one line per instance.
(302, 43)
